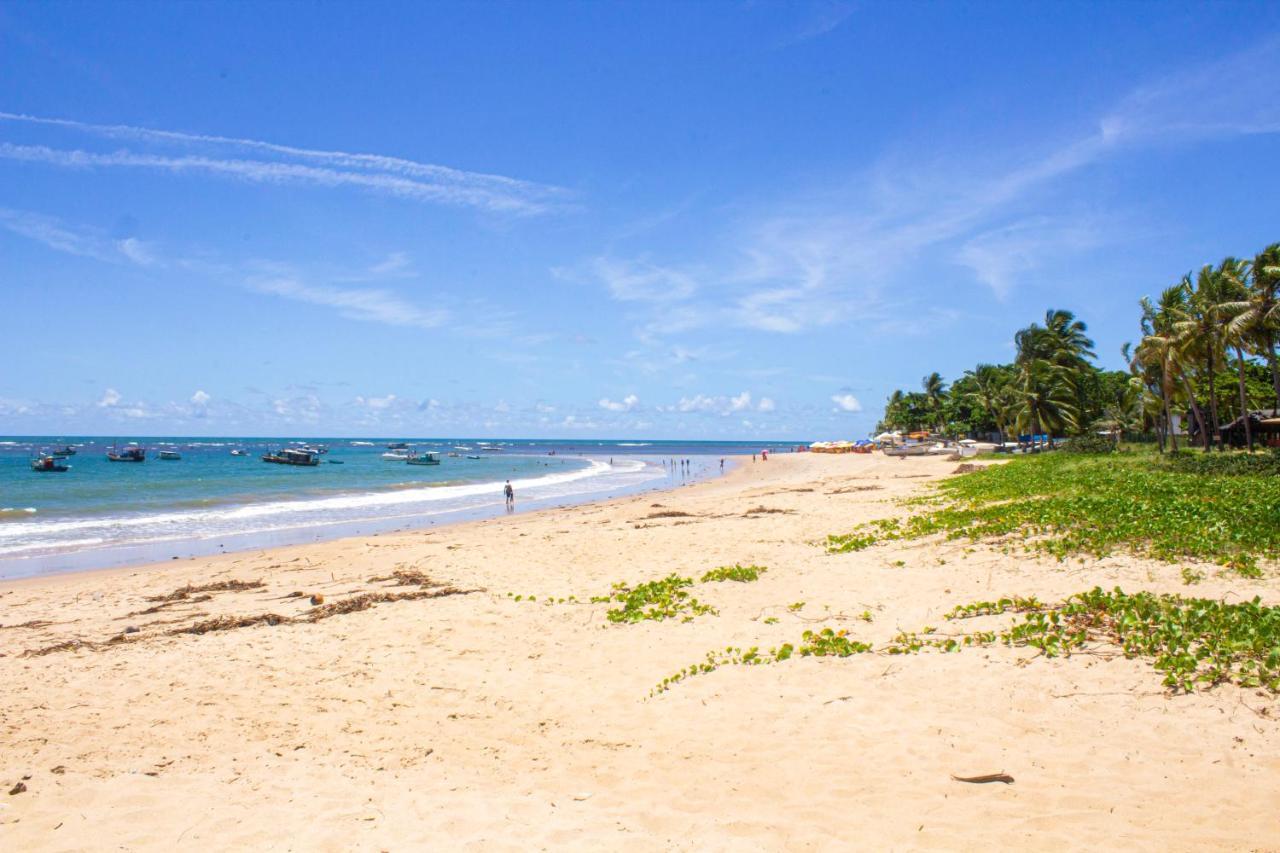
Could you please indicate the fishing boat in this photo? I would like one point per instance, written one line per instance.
(129, 454)
(396, 456)
(472, 456)
(48, 463)
(170, 455)
(336, 461)
(238, 452)
(303, 458)
(428, 458)
(397, 445)
(63, 452)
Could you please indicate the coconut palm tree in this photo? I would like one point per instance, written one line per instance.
(1257, 315)
(987, 380)
(1201, 330)
(1237, 336)
(1043, 398)
(934, 390)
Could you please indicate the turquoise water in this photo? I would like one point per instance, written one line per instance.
(209, 493)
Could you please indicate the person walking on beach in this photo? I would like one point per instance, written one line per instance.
(510, 494)
(721, 464)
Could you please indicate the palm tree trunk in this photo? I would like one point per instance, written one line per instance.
(1195, 410)
(1168, 420)
(1275, 369)
(1244, 402)
(1213, 404)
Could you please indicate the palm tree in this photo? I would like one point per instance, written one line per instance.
(1257, 315)
(1237, 335)
(893, 413)
(1200, 329)
(987, 380)
(1043, 398)
(934, 389)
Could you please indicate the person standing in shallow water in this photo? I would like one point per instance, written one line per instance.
(510, 494)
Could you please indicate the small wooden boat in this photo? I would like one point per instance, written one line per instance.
(336, 461)
(170, 455)
(63, 452)
(302, 458)
(45, 464)
(470, 456)
(397, 445)
(129, 454)
(427, 458)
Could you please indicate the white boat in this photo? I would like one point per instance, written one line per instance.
(238, 452)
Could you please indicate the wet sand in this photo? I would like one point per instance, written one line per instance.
(447, 714)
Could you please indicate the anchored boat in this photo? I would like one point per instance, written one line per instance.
(428, 458)
(129, 454)
(304, 458)
(48, 463)
(170, 455)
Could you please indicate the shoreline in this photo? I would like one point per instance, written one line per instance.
(193, 547)
(459, 717)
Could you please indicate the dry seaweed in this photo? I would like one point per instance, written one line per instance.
(227, 623)
(762, 510)
(407, 577)
(670, 513)
(187, 591)
(844, 490)
(33, 623)
(65, 646)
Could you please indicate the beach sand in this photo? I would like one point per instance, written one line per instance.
(473, 721)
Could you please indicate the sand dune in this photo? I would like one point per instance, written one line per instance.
(468, 720)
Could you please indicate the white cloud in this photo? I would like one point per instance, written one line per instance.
(287, 164)
(626, 404)
(136, 251)
(371, 304)
(376, 403)
(111, 397)
(846, 403)
(200, 398)
(720, 404)
(642, 281)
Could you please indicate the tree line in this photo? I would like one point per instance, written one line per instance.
(1207, 352)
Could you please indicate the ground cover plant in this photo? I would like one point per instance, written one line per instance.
(1077, 504)
(665, 598)
(1194, 642)
(736, 572)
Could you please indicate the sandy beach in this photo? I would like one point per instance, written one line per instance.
(446, 714)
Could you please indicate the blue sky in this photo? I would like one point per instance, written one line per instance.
(712, 220)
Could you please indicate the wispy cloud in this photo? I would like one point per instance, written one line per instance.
(822, 18)
(286, 164)
(74, 240)
(371, 304)
(857, 248)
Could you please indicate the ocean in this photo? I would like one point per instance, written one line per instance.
(101, 513)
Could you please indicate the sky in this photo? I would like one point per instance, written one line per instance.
(731, 220)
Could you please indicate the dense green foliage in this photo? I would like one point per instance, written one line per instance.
(1077, 504)
(1207, 348)
(1228, 464)
(1090, 444)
